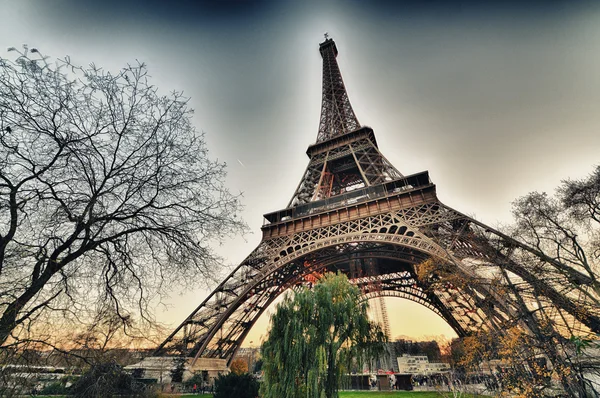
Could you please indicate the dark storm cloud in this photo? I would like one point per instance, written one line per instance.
(388, 7)
(228, 14)
(156, 11)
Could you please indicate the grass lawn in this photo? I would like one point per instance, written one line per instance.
(343, 394)
(394, 394)
(360, 394)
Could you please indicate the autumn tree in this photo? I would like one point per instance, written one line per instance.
(239, 366)
(314, 338)
(107, 193)
(517, 363)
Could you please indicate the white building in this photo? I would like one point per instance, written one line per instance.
(160, 368)
(420, 365)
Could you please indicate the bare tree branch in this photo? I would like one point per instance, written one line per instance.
(104, 185)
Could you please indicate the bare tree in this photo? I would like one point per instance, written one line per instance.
(565, 227)
(107, 193)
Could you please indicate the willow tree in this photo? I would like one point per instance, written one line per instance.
(316, 336)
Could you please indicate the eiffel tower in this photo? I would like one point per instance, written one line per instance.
(354, 212)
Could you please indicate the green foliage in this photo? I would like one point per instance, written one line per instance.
(56, 388)
(196, 379)
(429, 348)
(106, 380)
(258, 366)
(376, 394)
(583, 343)
(399, 394)
(177, 371)
(138, 373)
(236, 385)
(316, 336)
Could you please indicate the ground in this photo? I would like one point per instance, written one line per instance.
(343, 394)
(363, 394)
(395, 394)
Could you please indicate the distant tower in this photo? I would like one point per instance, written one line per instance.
(353, 212)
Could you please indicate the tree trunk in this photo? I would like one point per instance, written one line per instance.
(8, 321)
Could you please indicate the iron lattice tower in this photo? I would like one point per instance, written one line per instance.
(354, 212)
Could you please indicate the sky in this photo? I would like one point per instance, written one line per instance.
(495, 99)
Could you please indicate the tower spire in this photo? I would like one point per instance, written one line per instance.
(337, 116)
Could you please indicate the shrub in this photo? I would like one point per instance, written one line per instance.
(178, 370)
(106, 380)
(234, 385)
(196, 379)
(56, 388)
